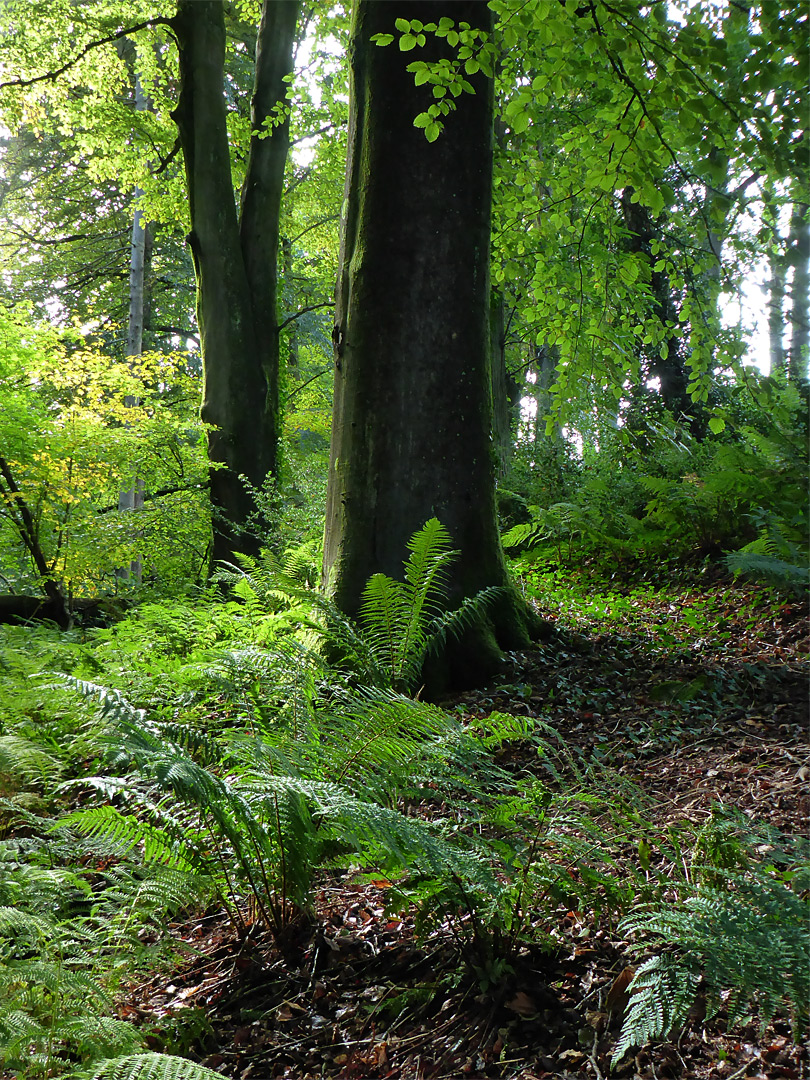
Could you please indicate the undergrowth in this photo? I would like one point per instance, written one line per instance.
(204, 754)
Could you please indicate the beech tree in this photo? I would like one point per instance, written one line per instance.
(412, 422)
(235, 255)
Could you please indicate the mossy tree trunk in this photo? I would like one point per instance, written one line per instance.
(412, 423)
(235, 256)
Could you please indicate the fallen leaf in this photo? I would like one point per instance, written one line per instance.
(522, 1004)
(617, 998)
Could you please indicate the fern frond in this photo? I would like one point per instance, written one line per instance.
(113, 705)
(525, 533)
(385, 609)
(151, 1066)
(750, 563)
(14, 921)
(661, 995)
(22, 758)
(56, 978)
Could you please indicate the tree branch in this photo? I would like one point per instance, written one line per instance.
(54, 75)
(301, 386)
(303, 311)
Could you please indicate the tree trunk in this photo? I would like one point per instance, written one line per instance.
(505, 390)
(670, 370)
(800, 293)
(131, 498)
(27, 529)
(235, 265)
(412, 424)
(776, 313)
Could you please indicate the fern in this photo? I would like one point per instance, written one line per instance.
(761, 564)
(747, 938)
(396, 615)
(22, 758)
(661, 994)
(150, 1067)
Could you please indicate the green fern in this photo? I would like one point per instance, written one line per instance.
(747, 938)
(397, 616)
(22, 759)
(662, 992)
(149, 1067)
(262, 815)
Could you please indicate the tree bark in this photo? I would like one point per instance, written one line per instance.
(131, 498)
(412, 422)
(799, 256)
(235, 262)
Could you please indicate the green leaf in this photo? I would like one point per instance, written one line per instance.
(382, 39)
(407, 42)
(716, 425)
(432, 132)
(403, 25)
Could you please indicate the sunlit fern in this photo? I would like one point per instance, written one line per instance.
(405, 621)
(745, 936)
(261, 820)
(149, 1066)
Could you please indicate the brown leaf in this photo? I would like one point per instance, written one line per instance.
(522, 1004)
(617, 998)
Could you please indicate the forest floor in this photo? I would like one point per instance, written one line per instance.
(700, 697)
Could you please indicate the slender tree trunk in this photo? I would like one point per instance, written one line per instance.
(776, 312)
(235, 263)
(25, 523)
(131, 499)
(505, 390)
(293, 358)
(546, 359)
(800, 293)
(412, 418)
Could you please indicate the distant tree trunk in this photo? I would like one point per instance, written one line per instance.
(235, 256)
(412, 418)
(130, 498)
(546, 359)
(670, 370)
(800, 293)
(293, 359)
(776, 312)
(505, 390)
